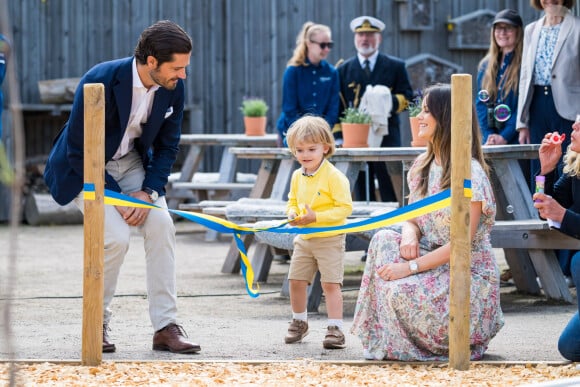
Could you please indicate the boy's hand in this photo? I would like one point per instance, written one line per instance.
(307, 217)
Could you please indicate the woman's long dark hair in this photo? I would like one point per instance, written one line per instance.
(438, 101)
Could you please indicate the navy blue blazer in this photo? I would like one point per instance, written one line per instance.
(565, 190)
(388, 71)
(158, 144)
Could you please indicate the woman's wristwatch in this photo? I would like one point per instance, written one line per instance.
(153, 195)
(414, 267)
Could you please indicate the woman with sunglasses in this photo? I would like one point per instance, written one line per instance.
(310, 83)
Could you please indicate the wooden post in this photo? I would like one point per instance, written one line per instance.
(94, 224)
(460, 282)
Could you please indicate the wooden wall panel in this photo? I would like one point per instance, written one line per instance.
(240, 46)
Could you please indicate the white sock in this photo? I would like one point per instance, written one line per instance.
(338, 323)
(300, 316)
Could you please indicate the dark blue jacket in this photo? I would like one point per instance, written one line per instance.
(388, 71)
(309, 89)
(158, 144)
(509, 129)
(566, 191)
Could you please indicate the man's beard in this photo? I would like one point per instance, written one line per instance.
(366, 51)
(169, 84)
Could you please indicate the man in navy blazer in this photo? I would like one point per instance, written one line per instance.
(144, 100)
(370, 67)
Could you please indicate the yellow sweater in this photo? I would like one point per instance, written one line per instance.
(327, 192)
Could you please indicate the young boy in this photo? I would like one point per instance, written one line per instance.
(319, 197)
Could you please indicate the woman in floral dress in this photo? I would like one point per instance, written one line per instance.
(402, 311)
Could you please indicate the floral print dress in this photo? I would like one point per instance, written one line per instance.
(408, 319)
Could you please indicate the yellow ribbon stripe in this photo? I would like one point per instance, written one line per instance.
(419, 208)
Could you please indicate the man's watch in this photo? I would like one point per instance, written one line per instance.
(153, 195)
(414, 267)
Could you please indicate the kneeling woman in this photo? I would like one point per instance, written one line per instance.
(402, 311)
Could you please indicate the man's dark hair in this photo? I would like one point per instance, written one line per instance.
(161, 40)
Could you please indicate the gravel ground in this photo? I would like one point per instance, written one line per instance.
(216, 312)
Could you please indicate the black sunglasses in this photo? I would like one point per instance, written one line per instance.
(324, 44)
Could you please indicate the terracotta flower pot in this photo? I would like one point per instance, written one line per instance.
(355, 135)
(417, 141)
(255, 126)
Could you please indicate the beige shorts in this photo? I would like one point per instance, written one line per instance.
(324, 254)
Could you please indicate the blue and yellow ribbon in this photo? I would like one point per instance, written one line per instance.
(413, 210)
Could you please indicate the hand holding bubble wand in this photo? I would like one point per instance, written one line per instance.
(556, 138)
(306, 215)
(550, 151)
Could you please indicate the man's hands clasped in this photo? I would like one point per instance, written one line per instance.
(135, 216)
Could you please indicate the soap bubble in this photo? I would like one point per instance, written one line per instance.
(509, 209)
(483, 95)
(502, 112)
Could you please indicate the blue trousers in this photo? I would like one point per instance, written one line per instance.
(544, 118)
(569, 342)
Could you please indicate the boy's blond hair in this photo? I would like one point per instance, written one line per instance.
(310, 129)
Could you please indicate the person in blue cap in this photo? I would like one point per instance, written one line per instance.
(498, 79)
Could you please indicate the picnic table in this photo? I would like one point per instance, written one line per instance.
(182, 189)
(198, 144)
(527, 260)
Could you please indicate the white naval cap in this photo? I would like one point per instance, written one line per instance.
(366, 24)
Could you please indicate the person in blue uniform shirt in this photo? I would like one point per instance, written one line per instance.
(370, 67)
(310, 83)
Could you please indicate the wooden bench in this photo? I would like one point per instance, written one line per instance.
(198, 144)
(205, 185)
(249, 210)
(204, 191)
(539, 242)
(201, 206)
(208, 186)
(530, 234)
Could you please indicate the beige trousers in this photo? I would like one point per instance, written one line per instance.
(158, 232)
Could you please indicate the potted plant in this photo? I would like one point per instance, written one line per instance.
(254, 111)
(355, 126)
(414, 109)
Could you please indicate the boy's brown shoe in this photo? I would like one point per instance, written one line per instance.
(334, 338)
(296, 331)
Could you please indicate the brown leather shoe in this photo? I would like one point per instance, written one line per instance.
(107, 345)
(297, 330)
(172, 339)
(334, 338)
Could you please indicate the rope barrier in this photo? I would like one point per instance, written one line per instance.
(413, 210)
